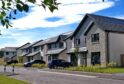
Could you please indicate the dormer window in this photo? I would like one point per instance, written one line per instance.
(95, 37)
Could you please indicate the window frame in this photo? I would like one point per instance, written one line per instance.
(95, 58)
(78, 41)
(95, 38)
(7, 53)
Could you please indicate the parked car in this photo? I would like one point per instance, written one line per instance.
(29, 64)
(59, 63)
(12, 62)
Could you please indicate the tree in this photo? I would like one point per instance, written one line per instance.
(10, 7)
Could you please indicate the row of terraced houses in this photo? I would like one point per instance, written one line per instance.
(96, 40)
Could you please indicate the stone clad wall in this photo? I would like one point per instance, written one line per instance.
(96, 47)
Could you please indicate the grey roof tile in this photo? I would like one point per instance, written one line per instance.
(108, 23)
(9, 49)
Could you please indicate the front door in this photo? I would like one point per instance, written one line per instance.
(74, 59)
(122, 60)
(84, 59)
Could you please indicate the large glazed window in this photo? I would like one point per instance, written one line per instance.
(95, 37)
(95, 58)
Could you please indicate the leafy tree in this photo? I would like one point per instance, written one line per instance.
(10, 7)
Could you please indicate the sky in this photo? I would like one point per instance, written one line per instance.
(40, 24)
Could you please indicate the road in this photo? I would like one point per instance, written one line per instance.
(38, 76)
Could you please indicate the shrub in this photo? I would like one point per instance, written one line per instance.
(18, 65)
(2, 61)
(39, 66)
(112, 64)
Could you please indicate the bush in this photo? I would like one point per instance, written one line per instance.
(18, 65)
(2, 61)
(39, 66)
(112, 64)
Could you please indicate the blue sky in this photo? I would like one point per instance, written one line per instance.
(42, 24)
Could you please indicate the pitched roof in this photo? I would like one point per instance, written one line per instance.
(103, 22)
(24, 46)
(9, 49)
(53, 39)
(57, 51)
(69, 35)
(108, 23)
(36, 43)
(33, 53)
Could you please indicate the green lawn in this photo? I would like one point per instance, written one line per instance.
(7, 80)
(97, 69)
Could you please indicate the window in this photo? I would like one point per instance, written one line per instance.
(7, 53)
(85, 40)
(53, 46)
(95, 37)
(13, 53)
(27, 50)
(77, 42)
(95, 58)
(41, 47)
(49, 46)
(35, 48)
(60, 45)
(57, 45)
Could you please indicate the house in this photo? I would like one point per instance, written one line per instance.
(9, 53)
(56, 47)
(22, 51)
(36, 51)
(98, 40)
(76, 50)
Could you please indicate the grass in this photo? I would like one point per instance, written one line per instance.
(18, 65)
(97, 69)
(40, 66)
(7, 80)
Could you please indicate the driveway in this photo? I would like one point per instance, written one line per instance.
(45, 76)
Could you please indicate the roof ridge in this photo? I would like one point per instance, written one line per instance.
(108, 17)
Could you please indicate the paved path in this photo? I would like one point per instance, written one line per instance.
(37, 76)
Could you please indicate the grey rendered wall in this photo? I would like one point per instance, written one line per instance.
(45, 57)
(37, 56)
(63, 55)
(80, 33)
(19, 52)
(68, 44)
(116, 47)
(10, 54)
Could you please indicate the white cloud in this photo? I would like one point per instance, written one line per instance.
(15, 38)
(68, 11)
